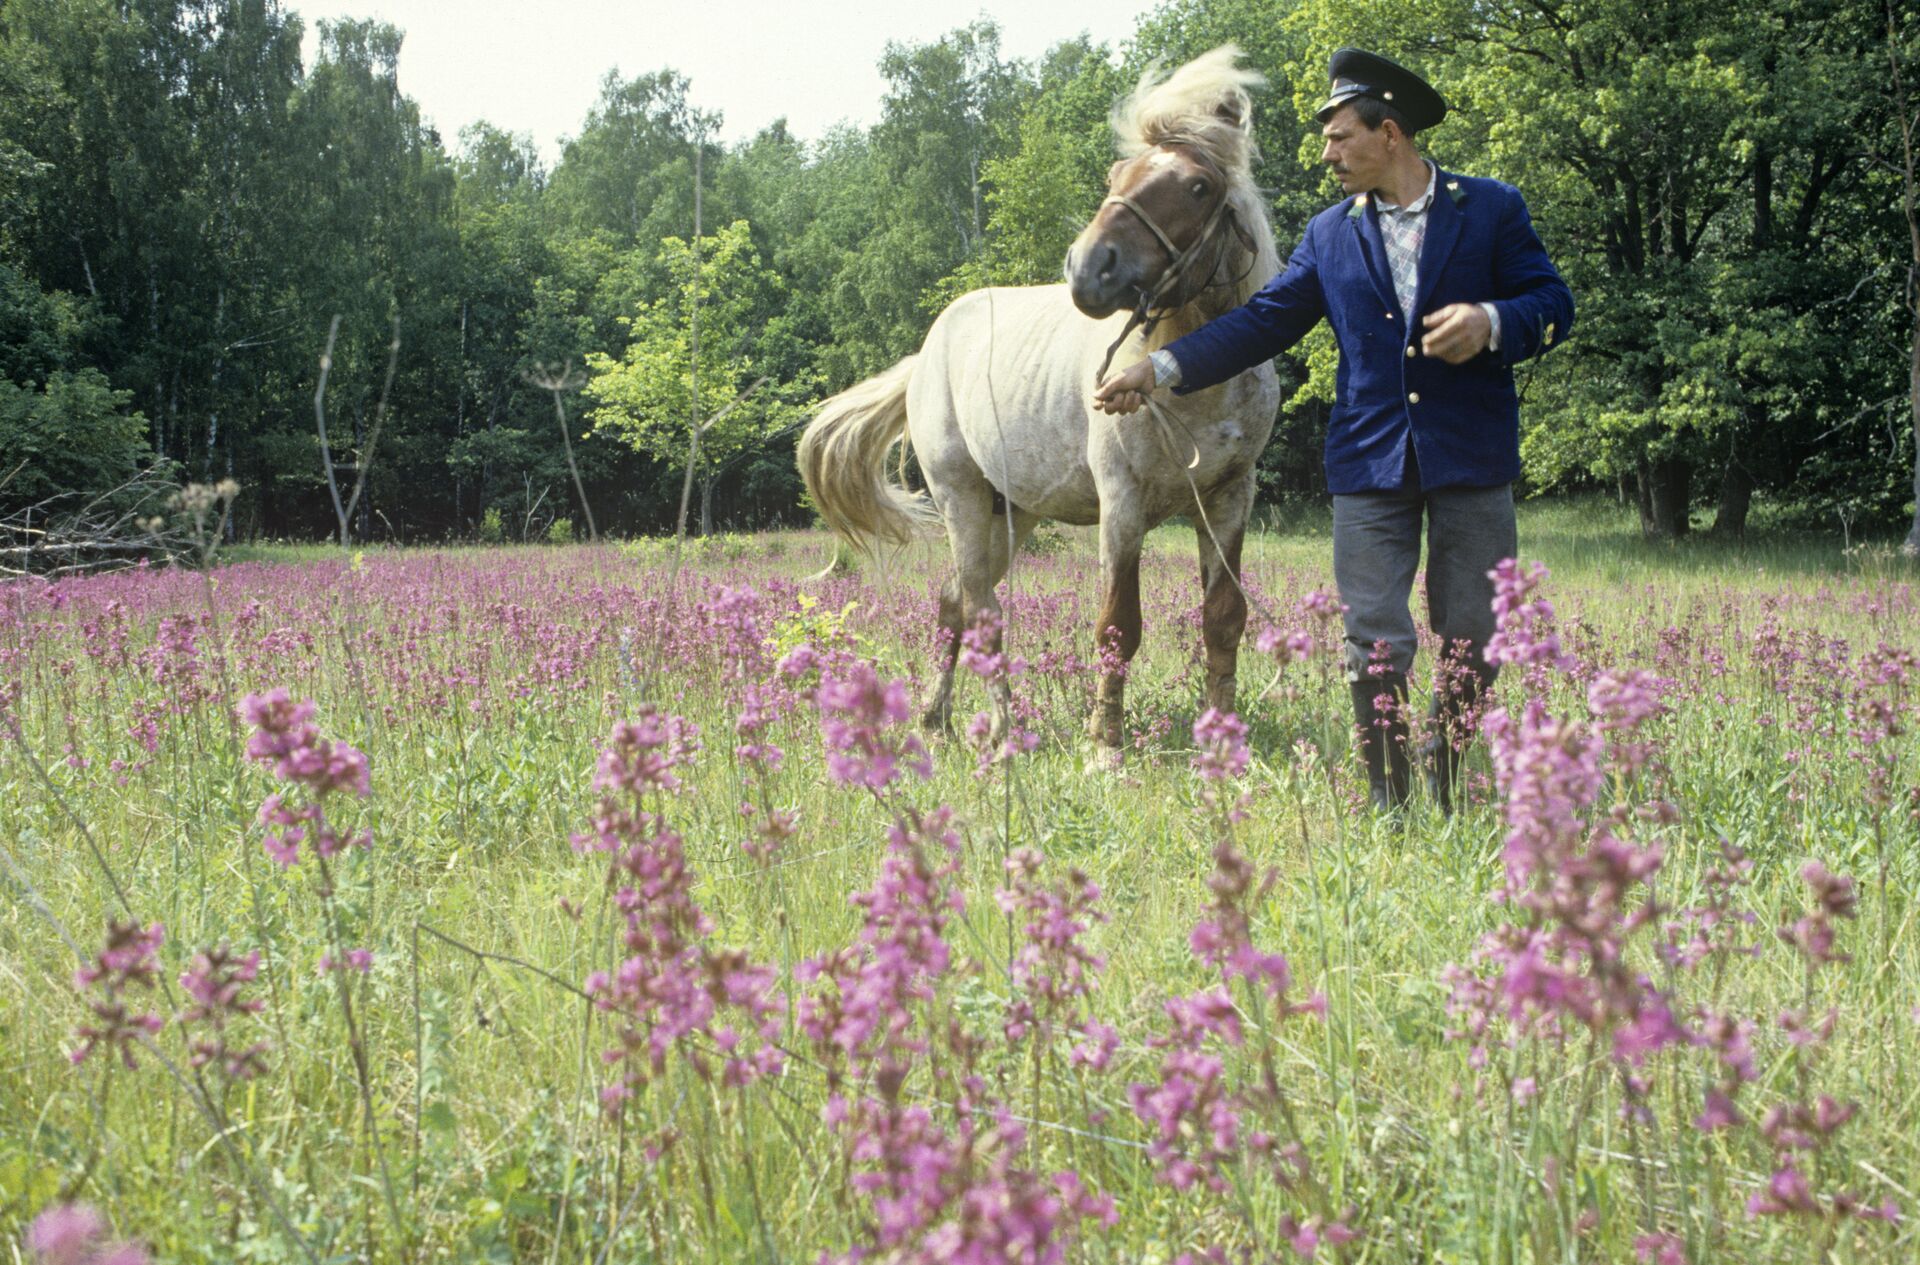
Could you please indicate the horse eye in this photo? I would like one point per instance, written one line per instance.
(1199, 188)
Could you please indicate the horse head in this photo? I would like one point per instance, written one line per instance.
(1182, 217)
(1159, 237)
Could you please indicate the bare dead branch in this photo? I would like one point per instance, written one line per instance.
(73, 533)
(554, 380)
(320, 421)
(364, 461)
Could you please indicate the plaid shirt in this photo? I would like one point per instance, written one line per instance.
(1403, 229)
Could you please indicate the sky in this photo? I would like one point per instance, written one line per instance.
(752, 60)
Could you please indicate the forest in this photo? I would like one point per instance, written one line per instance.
(190, 217)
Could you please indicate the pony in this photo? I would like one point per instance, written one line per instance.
(996, 405)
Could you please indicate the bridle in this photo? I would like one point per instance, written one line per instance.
(1153, 306)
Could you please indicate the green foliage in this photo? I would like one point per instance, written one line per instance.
(72, 436)
(812, 624)
(1038, 195)
(560, 532)
(184, 206)
(657, 392)
(493, 529)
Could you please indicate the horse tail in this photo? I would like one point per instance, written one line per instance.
(843, 458)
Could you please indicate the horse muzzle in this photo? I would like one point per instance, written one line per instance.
(1101, 279)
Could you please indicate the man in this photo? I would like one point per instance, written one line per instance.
(1435, 286)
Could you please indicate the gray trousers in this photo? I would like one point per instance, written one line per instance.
(1376, 550)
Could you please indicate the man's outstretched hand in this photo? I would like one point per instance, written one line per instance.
(1456, 333)
(1125, 391)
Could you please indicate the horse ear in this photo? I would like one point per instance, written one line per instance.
(1113, 172)
(1234, 108)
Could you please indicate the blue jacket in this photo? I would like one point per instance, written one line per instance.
(1465, 419)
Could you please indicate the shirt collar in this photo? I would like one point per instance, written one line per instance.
(1419, 204)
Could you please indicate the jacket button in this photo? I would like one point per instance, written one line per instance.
(1413, 397)
(1409, 351)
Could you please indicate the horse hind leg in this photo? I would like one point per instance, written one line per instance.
(937, 716)
(982, 554)
(1223, 605)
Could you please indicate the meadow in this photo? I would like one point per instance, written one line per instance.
(562, 904)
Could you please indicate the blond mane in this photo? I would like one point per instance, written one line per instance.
(1206, 105)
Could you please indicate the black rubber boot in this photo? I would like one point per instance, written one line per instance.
(1455, 701)
(1380, 720)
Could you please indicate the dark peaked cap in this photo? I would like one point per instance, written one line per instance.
(1355, 73)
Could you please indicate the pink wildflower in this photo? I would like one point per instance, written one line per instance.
(129, 960)
(70, 1234)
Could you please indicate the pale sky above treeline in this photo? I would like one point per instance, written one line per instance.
(538, 70)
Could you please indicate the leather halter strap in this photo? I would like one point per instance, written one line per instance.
(1179, 263)
(1121, 199)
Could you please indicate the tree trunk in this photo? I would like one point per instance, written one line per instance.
(706, 506)
(1736, 498)
(1910, 207)
(219, 362)
(460, 409)
(1665, 492)
(1912, 545)
(359, 461)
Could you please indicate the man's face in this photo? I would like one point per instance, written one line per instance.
(1357, 153)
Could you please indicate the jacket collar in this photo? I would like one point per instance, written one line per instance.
(1444, 219)
(1373, 250)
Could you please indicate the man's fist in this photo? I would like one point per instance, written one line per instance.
(1456, 333)
(1125, 391)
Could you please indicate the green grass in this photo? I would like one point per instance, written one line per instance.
(485, 1088)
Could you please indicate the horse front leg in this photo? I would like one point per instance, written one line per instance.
(1117, 636)
(1223, 607)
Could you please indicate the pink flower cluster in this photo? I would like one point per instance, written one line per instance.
(1579, 884)
(858, 714)
(286, 738)
(673, 989)
(1196, 1116)
(768, 827)
(935, 1194)
(1584, 892)
(74, 1234)
(1799, 1130)
(215, 981)
(981, 653)
(1525, 623)
(1053, 969)
(130, 960)
(1319, 612)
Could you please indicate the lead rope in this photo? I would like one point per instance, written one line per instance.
(1167, 421)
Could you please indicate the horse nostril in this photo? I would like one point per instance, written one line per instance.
(1106, 265)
